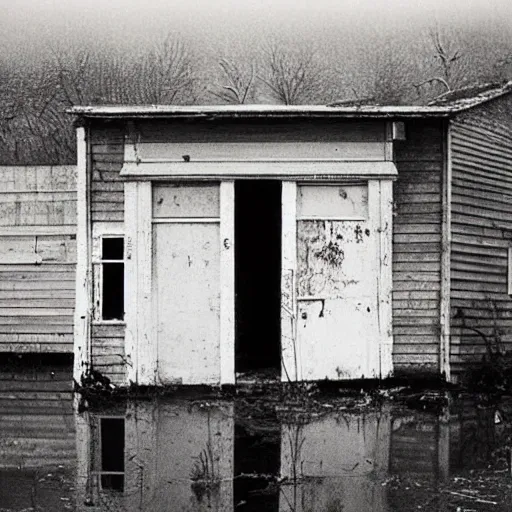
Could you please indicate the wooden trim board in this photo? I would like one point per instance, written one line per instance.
(82, 334)
(444, 349)
(227, 282)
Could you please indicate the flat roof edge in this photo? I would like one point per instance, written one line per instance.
(283, 112)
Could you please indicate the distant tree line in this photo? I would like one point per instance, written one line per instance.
(34, 95)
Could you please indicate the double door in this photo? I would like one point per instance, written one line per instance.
(335, 287)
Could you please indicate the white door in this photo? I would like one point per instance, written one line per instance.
(187, 282)
(336, 332)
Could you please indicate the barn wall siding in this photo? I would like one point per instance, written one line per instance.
(417, 235)
(107, 351)
(107, 188)
(37, 258)
(481, 231)
(107, 205)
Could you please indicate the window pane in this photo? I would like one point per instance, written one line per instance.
(177, 200)
(112, 248)
(339, 201)
(113, 291)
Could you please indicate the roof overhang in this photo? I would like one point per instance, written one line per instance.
(259, 111)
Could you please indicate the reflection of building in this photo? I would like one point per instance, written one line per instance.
(37, 435)
(165, 455)
(183, 456)
(420, 444)
(337, 462)
(157, 456)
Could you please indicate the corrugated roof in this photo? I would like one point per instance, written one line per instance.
(446, 105)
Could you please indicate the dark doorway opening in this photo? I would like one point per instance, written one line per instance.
(258, 276)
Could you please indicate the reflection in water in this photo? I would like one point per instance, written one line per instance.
(37, 436)
(335, 462)
(167, 454)
(178, 455)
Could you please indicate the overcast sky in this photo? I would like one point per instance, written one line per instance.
(126, 22)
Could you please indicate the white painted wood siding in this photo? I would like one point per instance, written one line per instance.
(37, 258)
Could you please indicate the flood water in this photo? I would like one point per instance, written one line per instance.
(246, 453)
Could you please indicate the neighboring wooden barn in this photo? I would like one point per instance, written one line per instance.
(480, 142)
(37, 258)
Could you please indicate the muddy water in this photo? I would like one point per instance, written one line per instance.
(246, 453)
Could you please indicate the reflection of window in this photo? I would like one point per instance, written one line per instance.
(112, 453)
(112, 278)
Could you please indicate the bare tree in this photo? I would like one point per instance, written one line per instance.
(449, 61)
(166, 74)
(297, 75)
(446, 54)
(32, 122)
(237, 82)
(34, 96)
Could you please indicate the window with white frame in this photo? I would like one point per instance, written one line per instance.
(112, 278)
(109, 269)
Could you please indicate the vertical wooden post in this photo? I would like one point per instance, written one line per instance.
(83, 264)
(130, 280)
(386, 278)
(444, 352)
(290, 351)
(371, 364)
(140, 347)
(227, 282)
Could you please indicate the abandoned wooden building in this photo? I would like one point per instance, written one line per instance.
(311, 242)
(319, 242)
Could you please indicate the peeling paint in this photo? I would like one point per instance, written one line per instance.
(337, 297)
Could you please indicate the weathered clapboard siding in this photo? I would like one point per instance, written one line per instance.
(417, 247)
(107, 188)
(481, 143)
(107, 205)
(107, 351)
(37, 258)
